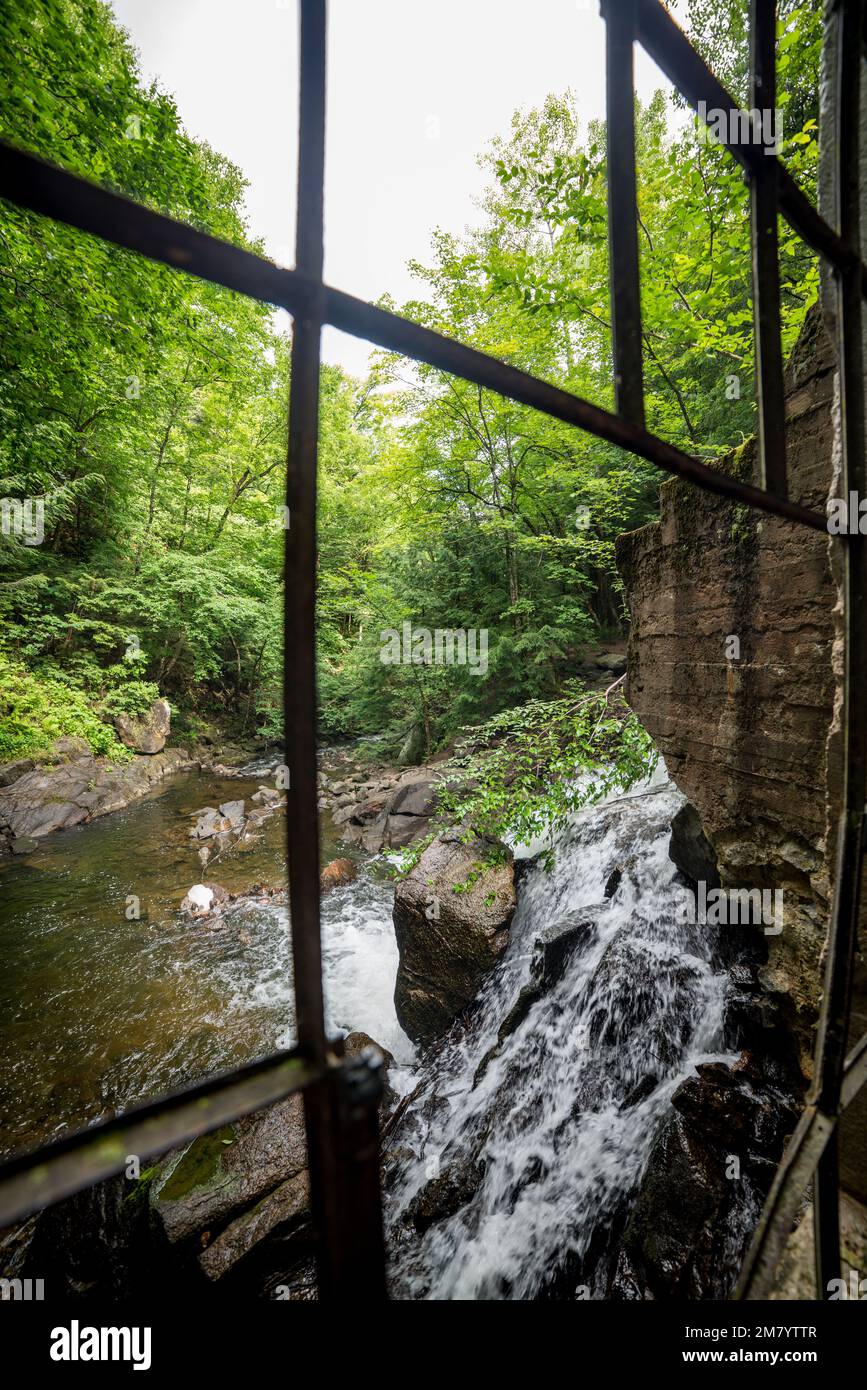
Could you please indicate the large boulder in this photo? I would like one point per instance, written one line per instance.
(45, 799)
(204, 1185)
(690, 849)
(148, 734)
(452, 915)
(709, 1169)
(10, 772)
(337, 874)
(415, 796)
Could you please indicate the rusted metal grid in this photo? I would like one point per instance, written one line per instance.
(341, 1096)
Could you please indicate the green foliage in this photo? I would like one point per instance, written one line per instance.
(37, 710)
(148, 411)
(525, 772)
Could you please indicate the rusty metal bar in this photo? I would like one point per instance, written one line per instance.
(31, 1181)
(832, 1038)
(791, 1179)
(341, 1119)
(854, 1073)
(32, 183)
(836, 1078)
(623, 266)
(765, 258)
(299, 593)
(826, 1217)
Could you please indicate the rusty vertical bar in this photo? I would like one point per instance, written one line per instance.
(623, 267)
(299, 670)
(765, 254)
(833, 1031)
(826, 1217)
(340, 1113)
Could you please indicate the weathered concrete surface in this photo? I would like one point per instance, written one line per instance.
(744, 732)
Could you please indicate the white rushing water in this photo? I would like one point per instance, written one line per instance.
(540, 1135)
(359, 955)
(554, 1132)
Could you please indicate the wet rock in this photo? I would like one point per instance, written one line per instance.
(626, 987)
(239, 1199)
(148, 734)
(97, 1244)
(50, 798)
(337, 873)
(206, 824)
(452, 915)
(731, 1113)
(204, 899)
(357, 1042)
(720, 1144)
(233, 811)
(25, 844)
(10, 772)
(284, 1209)
(445, 1194)
(266, 795)
(680, 1204)
(613, 882)
(690, 849)
(212, 1180)
(550, 959)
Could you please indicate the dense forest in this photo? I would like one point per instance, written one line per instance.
(147, 412)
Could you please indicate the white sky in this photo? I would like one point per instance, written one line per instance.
(416, 91)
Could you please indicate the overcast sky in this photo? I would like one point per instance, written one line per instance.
(415, 92)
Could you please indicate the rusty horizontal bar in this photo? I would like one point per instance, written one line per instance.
(803, 1152)
(409, 340)
(672, 51)
(31, 1181)
(32, 183)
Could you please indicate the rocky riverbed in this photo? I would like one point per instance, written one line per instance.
(569, 1070)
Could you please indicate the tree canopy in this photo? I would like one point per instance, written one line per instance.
(147, 412)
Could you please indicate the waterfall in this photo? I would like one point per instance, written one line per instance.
(531, 1125)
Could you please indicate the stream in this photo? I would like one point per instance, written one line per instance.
(529, 1128)
(98, 1012)
(540, 1137)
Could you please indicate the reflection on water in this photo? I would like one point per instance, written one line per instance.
(98, 1011)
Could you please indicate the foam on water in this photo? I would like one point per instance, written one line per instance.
(554, 1133)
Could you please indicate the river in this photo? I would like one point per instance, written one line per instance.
(99, 1010)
